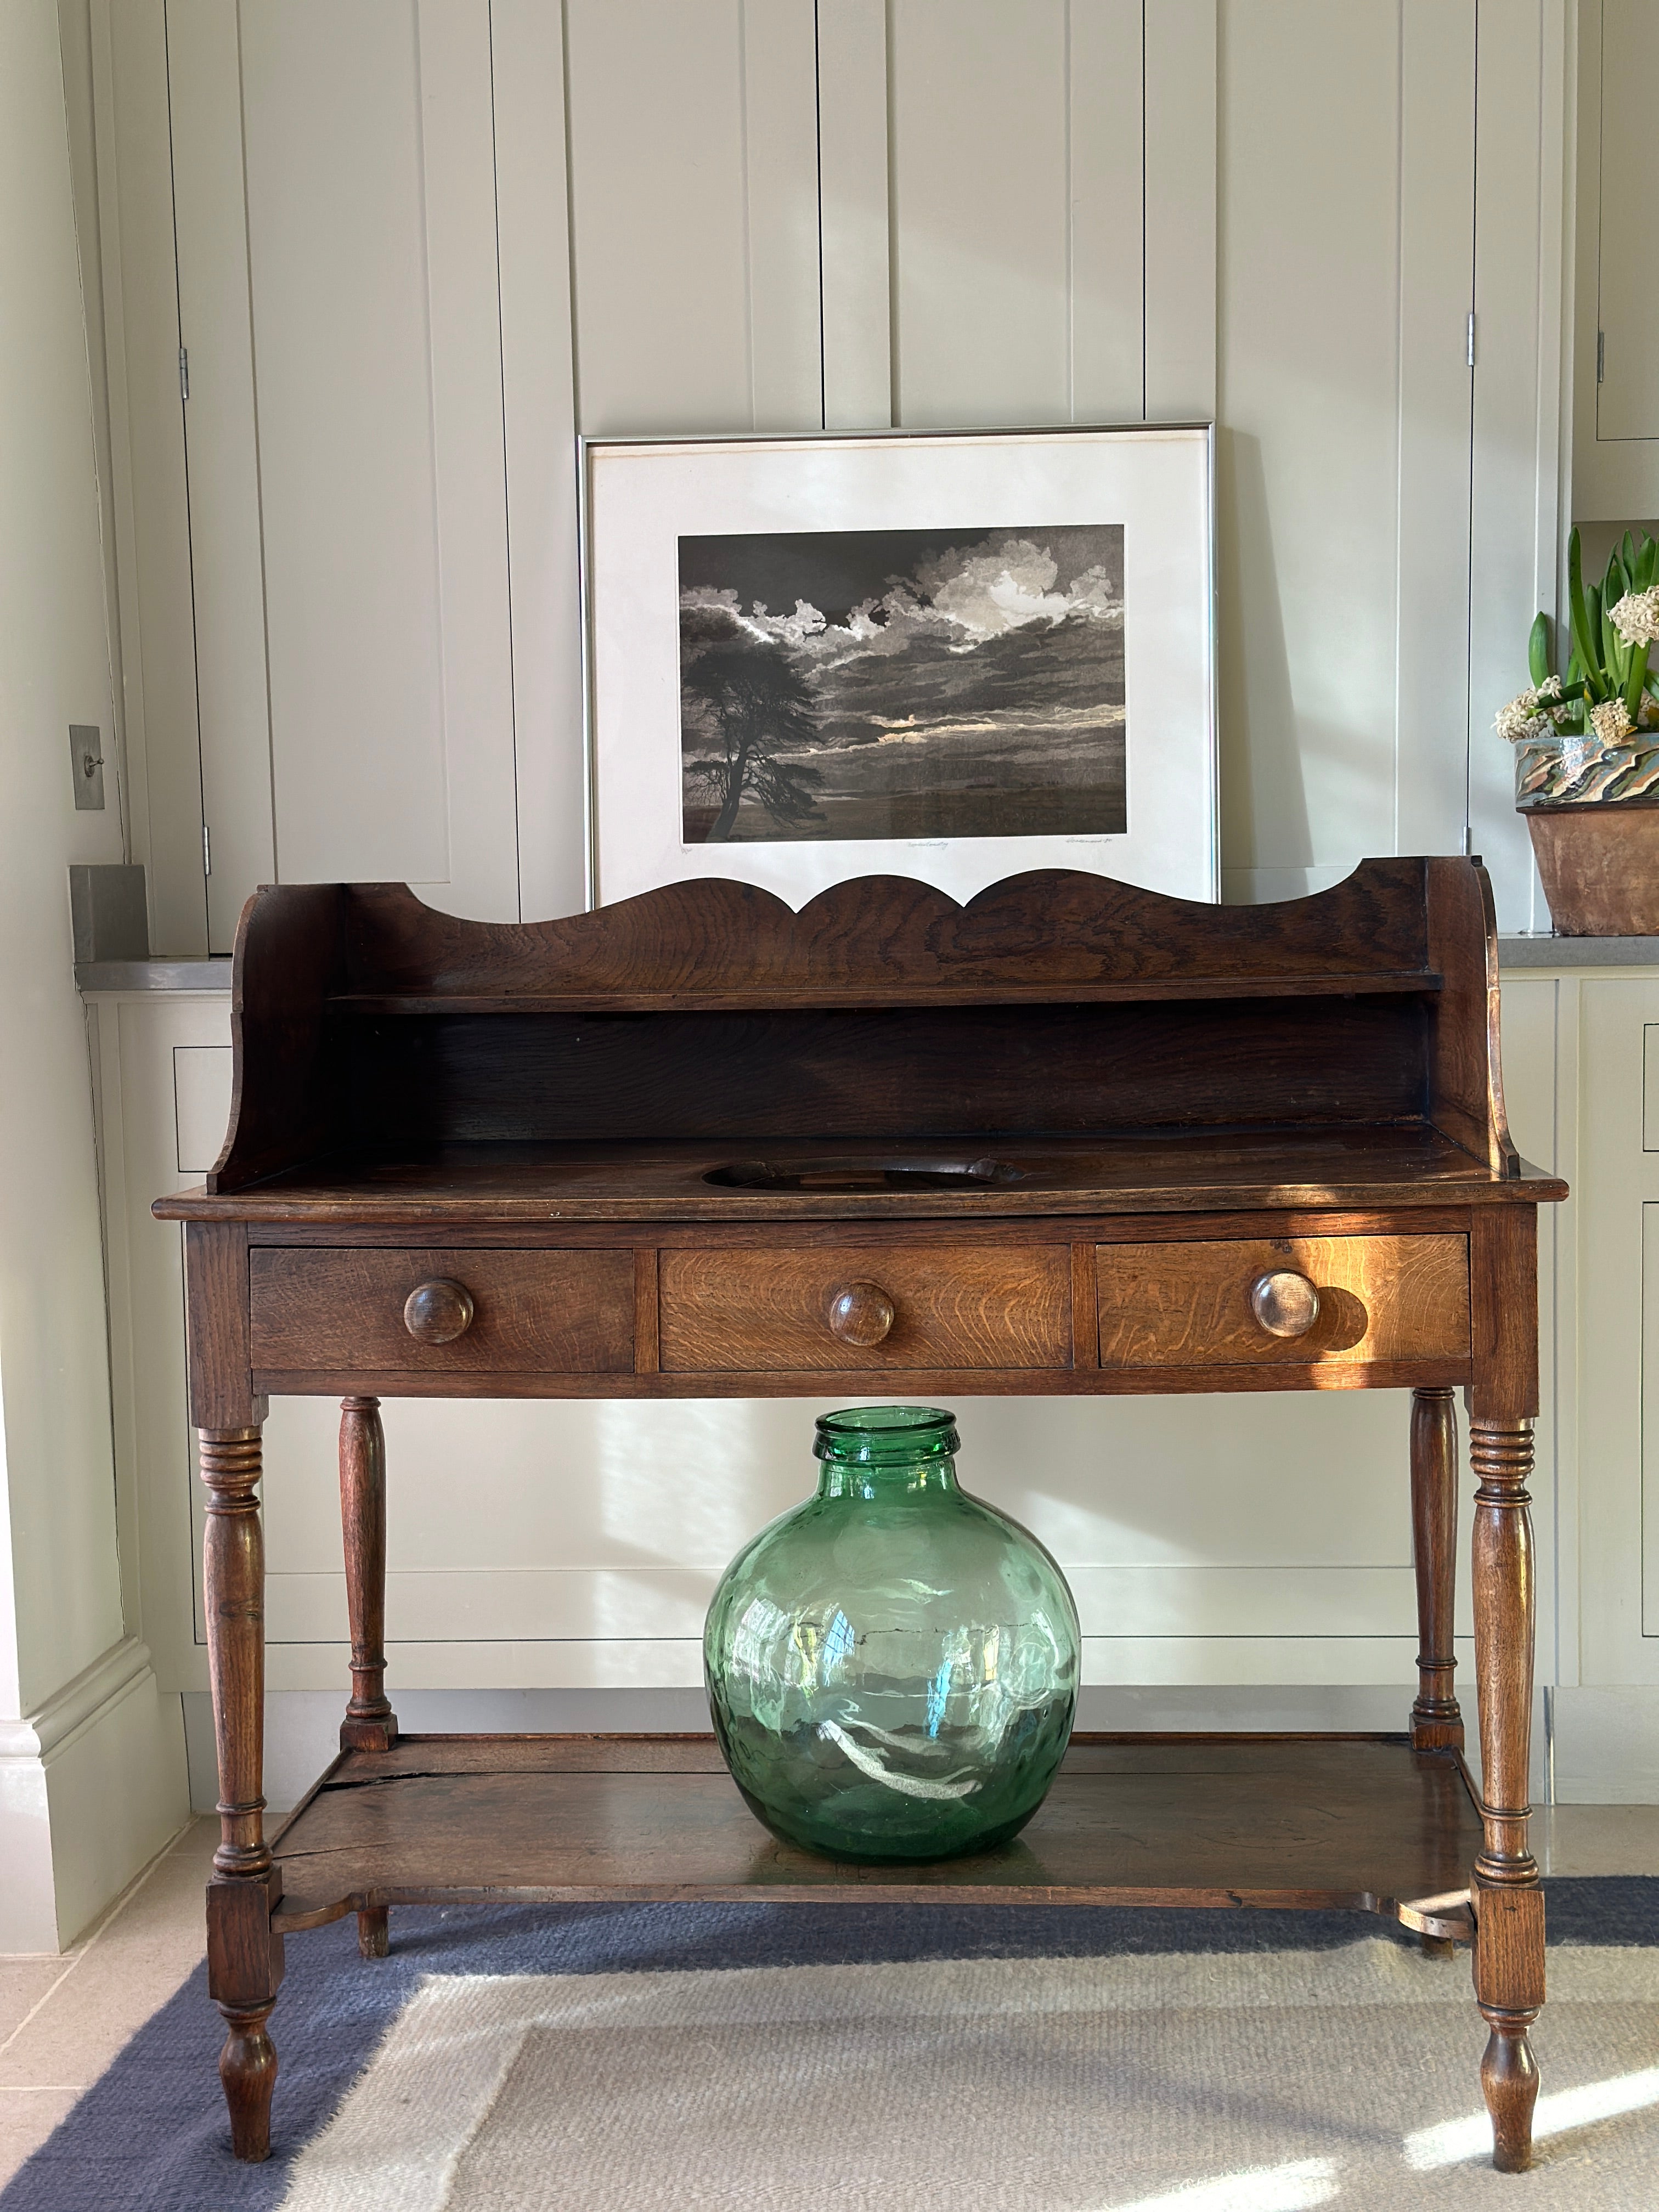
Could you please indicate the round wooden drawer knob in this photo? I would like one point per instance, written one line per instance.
(437, 1313)
(1284, 1303)
(862, 1314)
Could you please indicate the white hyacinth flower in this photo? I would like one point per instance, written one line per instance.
(1610, 722)
(1635, 617)
(1526, 715)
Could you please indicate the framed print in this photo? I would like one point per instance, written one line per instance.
(950, 655)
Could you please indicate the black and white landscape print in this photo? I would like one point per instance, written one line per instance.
(902, 684)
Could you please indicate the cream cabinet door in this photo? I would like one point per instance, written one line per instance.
(1615, 466)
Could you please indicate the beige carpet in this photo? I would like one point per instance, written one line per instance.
(1196, 2083)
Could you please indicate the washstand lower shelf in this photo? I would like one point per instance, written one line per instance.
(1360, 1821)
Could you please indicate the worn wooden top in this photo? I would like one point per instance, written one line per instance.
(1139, 1172)
(1361, 1821)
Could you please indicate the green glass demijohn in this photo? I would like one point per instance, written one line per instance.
(892, 1666)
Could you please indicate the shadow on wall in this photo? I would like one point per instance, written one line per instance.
(1261, 747)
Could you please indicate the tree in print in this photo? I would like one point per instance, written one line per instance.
(744, 703)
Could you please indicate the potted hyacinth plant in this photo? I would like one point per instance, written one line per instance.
(1587, 750)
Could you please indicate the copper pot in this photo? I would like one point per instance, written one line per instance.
(1600, 865)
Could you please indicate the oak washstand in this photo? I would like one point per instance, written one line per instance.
(1071, 1138)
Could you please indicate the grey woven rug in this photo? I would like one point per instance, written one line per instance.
(1092, 2058)
(1194, 2082)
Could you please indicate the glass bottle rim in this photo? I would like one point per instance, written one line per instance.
(886, 1436)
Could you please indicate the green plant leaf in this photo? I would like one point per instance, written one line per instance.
(1612, 657)
(1538, 650)
(1578, 610)
(1618, 654)
(1646, 555)
(1636, 678)
(1627, 554)
(1598, 621)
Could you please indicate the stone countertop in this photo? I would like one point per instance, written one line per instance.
(1552, 951)
(152, 975)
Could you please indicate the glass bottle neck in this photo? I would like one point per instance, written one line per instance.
(899, 1479)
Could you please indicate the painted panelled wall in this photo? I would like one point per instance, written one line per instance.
(411, 247)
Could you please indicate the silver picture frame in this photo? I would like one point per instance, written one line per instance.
(954, 692)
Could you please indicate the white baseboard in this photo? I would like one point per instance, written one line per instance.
(91, 1787)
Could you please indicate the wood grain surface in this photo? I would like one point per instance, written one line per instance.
(1437, 1721)
(1466, 1078)
(1359, 1821)
(1132, 1172)
(571, 1312)
(916, 1072)
(1189, 1305)
(954, 1306)
(1051, 929)
(216, 1342)
(285, 1098)
(1055, 1001)
(920, 1383)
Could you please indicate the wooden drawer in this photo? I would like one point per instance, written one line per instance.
(953, 1306)
(545, 1312)
(1380, 1298)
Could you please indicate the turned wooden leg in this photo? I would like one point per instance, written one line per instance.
(1508, 1951)
(1437, 1723)
(369, 1724)
(245, 1957)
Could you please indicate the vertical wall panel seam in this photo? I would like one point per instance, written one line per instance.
(447, 780)
(1070, 224)
(1541, 371)
(1468, 625)
(1399, 387)
(748, 226)
(1549, 426)
(1566, 336)
(189, 523)
(506, 486)
(1601, 188)
(895, 400)
(87, 265)
(817, 158)
(570, 252)
(107, 273)
(1144, 186)
(259, 462)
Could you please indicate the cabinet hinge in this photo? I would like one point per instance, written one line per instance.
(184, 371)
(207, 850)
(1600, 355)
(1471, 338)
